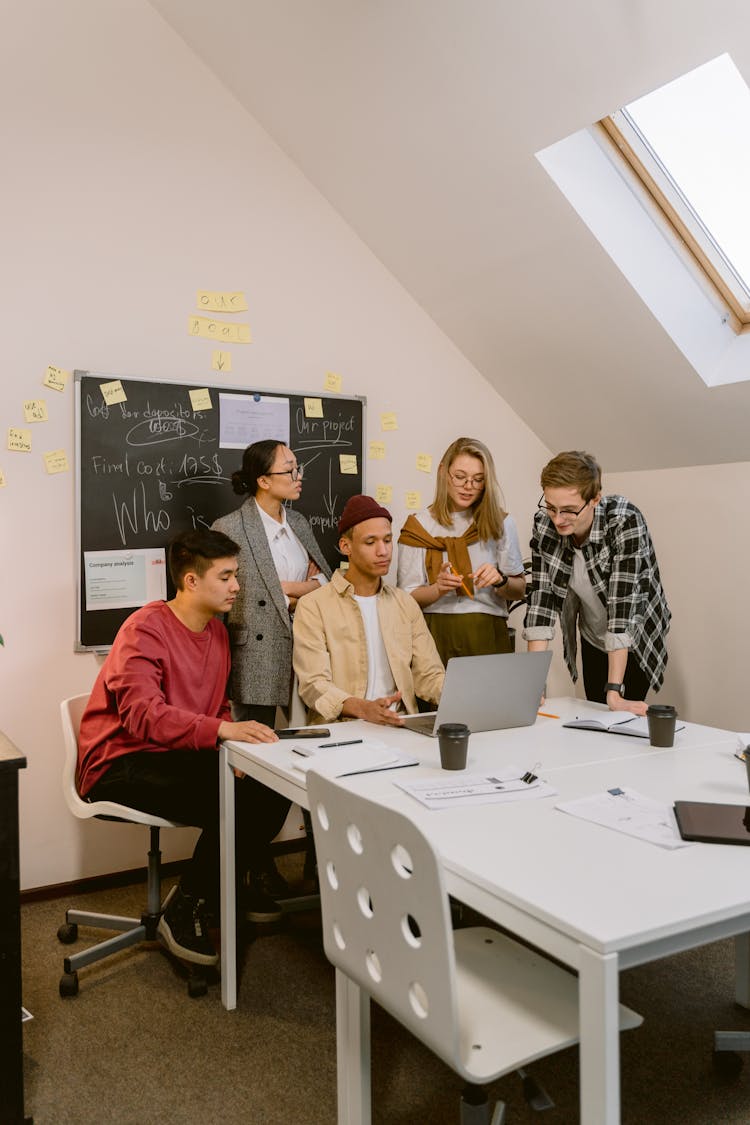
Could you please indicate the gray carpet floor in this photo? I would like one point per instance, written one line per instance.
(134, 1049)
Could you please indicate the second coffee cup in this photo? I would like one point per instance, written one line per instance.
(453, 739)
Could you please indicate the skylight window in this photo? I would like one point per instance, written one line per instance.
(688, 143)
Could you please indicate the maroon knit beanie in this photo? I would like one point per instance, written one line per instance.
(360, 508)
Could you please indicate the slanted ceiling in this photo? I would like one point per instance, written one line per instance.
(419, 119)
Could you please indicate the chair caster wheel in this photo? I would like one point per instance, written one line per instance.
(69, 984)
(197, 986)
(727, 1065)
(67, 933)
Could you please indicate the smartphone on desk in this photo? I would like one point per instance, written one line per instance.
(304, 732)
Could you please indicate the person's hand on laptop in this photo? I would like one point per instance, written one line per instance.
(374, 710)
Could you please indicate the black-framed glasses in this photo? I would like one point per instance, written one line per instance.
(296, 473)
(462, 480)
(552, 511)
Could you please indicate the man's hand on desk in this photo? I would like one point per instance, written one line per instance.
(373, 710)
(249, 731)
(615, 702)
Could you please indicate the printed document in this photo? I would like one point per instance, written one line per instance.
(503, 785)
(629, 812)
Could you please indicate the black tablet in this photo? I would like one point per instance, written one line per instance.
(713, 824)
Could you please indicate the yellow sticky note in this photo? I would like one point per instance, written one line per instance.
(424, 462)
(413, 500)
(3, 481)
(56, 378)
(221, 361)
(348, 463)
(383, 493)
(201, 400)
(212, 301)
(19, 440)
(333, 382)
(388, 422)
(376, 451)
(313, 408)
(222, 330)
(35, 410)
(113, 392)
(56, 461)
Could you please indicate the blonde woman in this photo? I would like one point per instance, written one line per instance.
(460, 558)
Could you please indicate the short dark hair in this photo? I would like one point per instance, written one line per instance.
(197, 550)
(574, 469)
(257, 460)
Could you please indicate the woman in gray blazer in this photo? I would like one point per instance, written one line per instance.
(280, 562)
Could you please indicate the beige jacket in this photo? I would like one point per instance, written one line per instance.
(330, 651)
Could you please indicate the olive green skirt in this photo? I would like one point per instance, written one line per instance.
(468, 634)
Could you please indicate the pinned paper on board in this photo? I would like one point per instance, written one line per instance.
(210, 329)
(56, 378)
(56, 461)
(124, 579)
(376, 451)
(333, 382)
(313, 407)
(384, 493)
(113, 392)
(388, 422)
(221, 361)
(201, 399)
(413, 501)
(19, 441)
(424, 462)
(212, 301)
(348, 464)
(35, 410)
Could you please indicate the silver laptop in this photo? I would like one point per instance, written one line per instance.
(488, 692)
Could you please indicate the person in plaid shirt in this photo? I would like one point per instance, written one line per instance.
(594, 566)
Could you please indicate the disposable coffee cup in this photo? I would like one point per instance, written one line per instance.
(453, 739)
(662, 719)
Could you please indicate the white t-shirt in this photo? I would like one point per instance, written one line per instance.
(380, 680)
(503, 553)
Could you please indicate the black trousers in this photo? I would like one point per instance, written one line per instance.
(596, 674)
(183, 785)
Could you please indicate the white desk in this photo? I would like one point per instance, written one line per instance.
(596, 899)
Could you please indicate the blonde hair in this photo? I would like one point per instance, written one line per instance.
(574, 469)
(488, 512)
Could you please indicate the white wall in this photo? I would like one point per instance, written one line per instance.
(698, 520)
(131, 179)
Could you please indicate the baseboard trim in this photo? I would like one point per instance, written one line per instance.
(127, 878)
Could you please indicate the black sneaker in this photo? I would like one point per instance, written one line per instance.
(184, 929)
(260, 906)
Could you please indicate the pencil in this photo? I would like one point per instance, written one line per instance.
(464, 587)
(547, 715)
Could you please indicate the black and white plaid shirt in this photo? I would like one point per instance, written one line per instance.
(624, 574)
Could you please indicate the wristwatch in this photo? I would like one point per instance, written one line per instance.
(619, 688)
(503, 582)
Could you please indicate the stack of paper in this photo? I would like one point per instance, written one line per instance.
(368, 756)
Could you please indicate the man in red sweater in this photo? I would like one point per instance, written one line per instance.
(150, 733)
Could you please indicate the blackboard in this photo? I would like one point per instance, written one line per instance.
(152, 466)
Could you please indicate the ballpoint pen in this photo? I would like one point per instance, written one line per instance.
(350, 742)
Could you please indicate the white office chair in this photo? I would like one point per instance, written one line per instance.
(484, 1003)
(132, 930)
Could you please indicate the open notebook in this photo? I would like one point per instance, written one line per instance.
(636, 726)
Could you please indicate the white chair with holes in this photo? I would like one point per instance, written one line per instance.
(131, 930)
(485, 1004)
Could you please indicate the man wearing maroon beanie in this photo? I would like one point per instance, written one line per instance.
(361, 647)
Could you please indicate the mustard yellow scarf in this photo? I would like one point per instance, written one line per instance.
(455, 546)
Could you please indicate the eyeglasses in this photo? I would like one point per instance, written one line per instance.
(296, 473)
(461, 480)
(552, 511)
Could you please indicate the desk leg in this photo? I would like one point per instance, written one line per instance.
(598, 996)
(228, 890)
(352, 1052)
(742, 969)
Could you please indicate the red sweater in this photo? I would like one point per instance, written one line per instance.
(162, 687)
